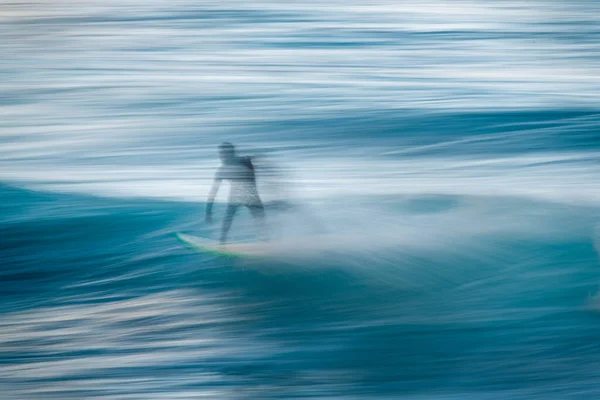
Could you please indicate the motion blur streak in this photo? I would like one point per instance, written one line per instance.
(447, 153)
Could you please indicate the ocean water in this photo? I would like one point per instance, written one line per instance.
(444, 158)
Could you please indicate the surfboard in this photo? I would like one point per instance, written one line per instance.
(203, 245)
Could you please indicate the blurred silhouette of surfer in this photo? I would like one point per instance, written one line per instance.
(239, 171)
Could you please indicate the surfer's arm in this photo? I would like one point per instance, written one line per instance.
(211, 197)
(247, 161)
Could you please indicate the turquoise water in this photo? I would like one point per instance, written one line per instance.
(445, 158)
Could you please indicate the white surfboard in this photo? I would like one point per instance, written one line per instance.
(203, 245)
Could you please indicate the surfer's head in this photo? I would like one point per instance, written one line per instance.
(226, 152)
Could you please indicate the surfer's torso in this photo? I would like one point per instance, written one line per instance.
(239, 171)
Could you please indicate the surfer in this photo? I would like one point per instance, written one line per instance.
(239, 171)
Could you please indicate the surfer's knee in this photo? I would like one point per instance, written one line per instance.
(231, 210)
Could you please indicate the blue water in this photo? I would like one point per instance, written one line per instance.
(445, 158)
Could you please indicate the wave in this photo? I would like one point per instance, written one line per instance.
(404, 284)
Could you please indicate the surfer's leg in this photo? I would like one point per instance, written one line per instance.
(258, 213)
(229, 214)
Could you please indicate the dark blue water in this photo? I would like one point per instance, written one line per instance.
(444, 158)
(99, 300)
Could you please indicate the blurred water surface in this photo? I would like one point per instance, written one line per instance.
(450, 152)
